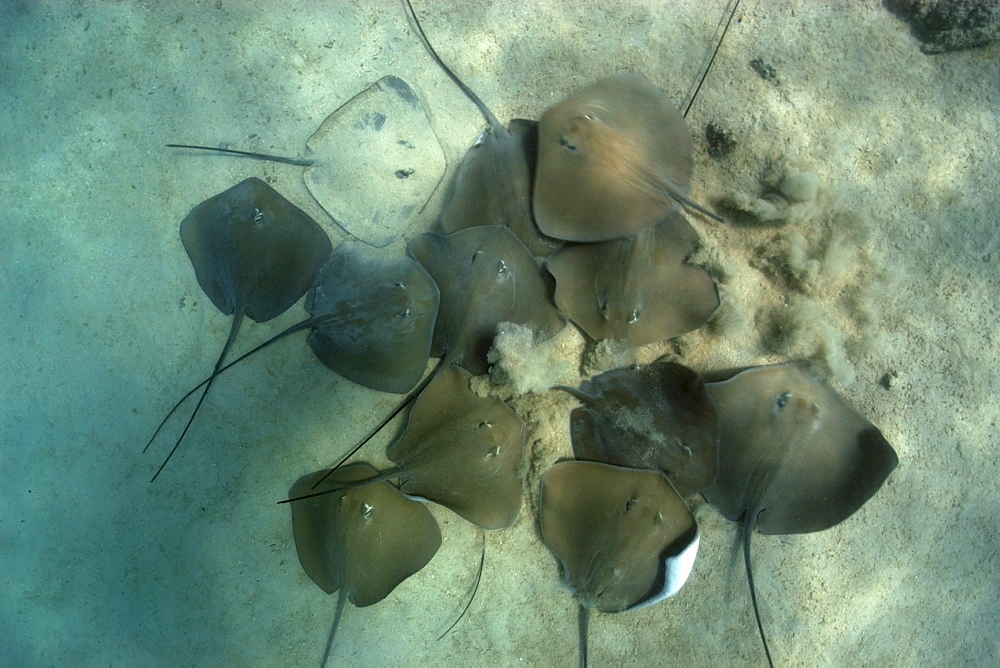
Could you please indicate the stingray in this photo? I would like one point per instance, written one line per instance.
(362, 542)
(486, 276)
(459, 450)
(624, 536)
(373, 163)
(794, 456)
(373, 318)
(658, 416)
(493, 183)
(254, 254)
(639, 289)
(372, 321)
(613, 158)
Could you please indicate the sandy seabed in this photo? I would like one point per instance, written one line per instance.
(887, 280)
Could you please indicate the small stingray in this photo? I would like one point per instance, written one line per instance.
(613, 158)
(460, 450)
(373, 164)
(372, 321)
(639, 289)
(255, 254)
(624, 536)
(486, 276)
(361, 542)
(493, 183)
(657, 417)
(794, 456)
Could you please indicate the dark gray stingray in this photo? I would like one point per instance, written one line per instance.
(658, 416)
(373, 318)
(639, 289)
(794, 456)
(613, 158)
(486, 276)
(254, 254)
(460, 450)
(361, 542)
(624, 536)
(493, 183)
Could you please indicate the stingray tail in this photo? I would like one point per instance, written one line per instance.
(715, 52)
(691, 204)
(475, 585)
(583, 618)
(233, 331)
(747, 528)
(484, 110)
(340, 488)
(414, 393)
(341, 604)
(267, 157)
(277, 337)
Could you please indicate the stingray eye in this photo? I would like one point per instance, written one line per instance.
(782, 401)
(399, 285)
(501, 268)
(630, 504)
(494, 452)
(258, 216)
(402, 314)
(566, 143)
(633, 317)
(486, 423)
(604, 309)
(366, 511)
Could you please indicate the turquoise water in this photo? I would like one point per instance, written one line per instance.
(105, 326)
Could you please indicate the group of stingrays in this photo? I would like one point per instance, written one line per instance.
(578, 217)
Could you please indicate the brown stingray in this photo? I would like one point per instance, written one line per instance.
(794, 456)
(658, 416)
(486, 276)
(638, 289)
(254, 254)
(460, 450)
(362, 541)
(373, 318)
(613, 158)
(493, 183)
(624, 536)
